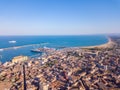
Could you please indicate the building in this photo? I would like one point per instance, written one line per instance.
(18, 59)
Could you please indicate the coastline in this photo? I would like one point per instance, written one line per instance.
(109, 44)
(75, 63)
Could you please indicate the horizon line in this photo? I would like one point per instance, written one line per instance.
(63, 34)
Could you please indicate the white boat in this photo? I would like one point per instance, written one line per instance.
(12, 41)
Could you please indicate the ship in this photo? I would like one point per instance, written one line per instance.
(36, 50)
(41, 50)
(12, 41)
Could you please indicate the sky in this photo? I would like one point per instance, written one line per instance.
(59, 17)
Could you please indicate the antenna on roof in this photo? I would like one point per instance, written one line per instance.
(0, 58)
(24, 79)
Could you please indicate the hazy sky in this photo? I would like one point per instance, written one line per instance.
(59, 17)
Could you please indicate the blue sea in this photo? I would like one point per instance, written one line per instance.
(33, 42)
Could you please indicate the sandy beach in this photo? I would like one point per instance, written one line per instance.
(109, 44)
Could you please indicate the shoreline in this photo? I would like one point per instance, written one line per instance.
(109, 44)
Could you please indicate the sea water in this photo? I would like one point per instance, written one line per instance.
(24, 44)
